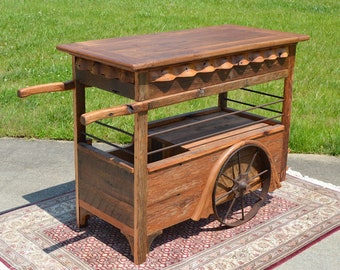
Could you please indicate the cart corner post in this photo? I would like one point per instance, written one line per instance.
(140, 246)
(287, 106)
(79, 131)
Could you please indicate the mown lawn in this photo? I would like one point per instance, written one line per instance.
(30, 30)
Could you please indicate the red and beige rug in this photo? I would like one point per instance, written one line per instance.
(44, 235)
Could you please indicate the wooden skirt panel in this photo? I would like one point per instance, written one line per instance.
(174, 192)
(274, 144)
(105, 185)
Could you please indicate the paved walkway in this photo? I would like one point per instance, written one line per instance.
(33, 170)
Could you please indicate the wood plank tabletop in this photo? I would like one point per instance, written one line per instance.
(143, 52)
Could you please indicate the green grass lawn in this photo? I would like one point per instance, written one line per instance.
(30, 30)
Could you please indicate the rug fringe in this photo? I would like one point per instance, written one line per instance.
(312, 180)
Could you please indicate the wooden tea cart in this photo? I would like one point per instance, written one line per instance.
(220, 160)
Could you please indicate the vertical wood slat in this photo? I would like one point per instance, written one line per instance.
(222, 100)
(287, 106)
(140, 241)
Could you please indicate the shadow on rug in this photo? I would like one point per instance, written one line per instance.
(44, 235)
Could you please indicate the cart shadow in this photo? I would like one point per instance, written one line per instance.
(107, 235)
(190, 228)
(49, 193)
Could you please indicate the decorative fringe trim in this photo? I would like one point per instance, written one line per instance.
(312, 180)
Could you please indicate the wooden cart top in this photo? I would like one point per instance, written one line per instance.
(137, 53)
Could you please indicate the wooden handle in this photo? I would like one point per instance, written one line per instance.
(90, 117)
(45, 88)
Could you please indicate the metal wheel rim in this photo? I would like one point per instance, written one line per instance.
(242, 181)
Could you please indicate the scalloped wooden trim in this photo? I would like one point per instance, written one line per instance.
(211, 65)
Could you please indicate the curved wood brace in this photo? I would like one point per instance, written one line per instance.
(204, 208)
(150, 239)
(225, 63)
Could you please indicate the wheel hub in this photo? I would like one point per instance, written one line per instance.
(242, 183)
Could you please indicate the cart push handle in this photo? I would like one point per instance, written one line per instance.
(46, 88)
(140, 106)
(90, 117)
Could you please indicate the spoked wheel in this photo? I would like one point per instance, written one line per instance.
(242, 185)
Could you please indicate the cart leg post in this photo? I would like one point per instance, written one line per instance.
(83, 216)
(79, 130)
(287, 108)
(150, 239)
(140, 241)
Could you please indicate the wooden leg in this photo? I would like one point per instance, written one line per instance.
(140, 188)
(83, 217)
(142, 253)
(287, 107)
(79, 130)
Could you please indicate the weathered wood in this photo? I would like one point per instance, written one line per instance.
(204, 80)
(165, 69)
(111, 178)
(168, 49)
(204, 206)
(112, 85)
(90, 117)
(216, 143)
(78, 134)
(180, 187)
(46, 88)
(287, 107)
(140, 248)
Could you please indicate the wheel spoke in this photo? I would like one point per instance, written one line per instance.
(239, 162)
(257, 175)
(221, 186)
(233, 180)
(234, 175)
(252, 161)
(242, 206)
(224, 196)
(229, 209)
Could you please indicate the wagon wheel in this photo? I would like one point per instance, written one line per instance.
(242, 185)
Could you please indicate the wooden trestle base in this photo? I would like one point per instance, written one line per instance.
(185, 166)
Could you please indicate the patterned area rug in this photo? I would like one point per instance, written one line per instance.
(44, 235)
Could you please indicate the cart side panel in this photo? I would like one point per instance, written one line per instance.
(274, 144)
(173, 192)
(105, 185)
